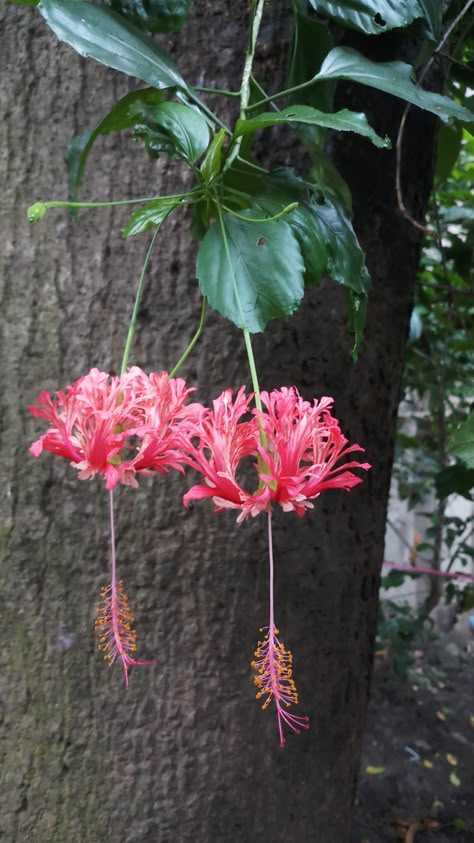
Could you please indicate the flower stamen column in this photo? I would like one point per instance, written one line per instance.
(114, 622)
(274, 665)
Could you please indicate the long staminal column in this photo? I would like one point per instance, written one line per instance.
(274, 666)
(116, 636)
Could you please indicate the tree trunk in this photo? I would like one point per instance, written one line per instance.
(185, 754)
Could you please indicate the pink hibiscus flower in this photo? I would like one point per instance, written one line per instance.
(303, 452)
(92, 421)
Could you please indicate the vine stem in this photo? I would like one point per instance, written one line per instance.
(64, 204)
(193, 342)
(246, 76)
(133, 321)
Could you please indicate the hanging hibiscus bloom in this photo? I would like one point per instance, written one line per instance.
(300, 448)
(92, 422)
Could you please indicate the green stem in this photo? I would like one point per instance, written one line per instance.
(138, 296)
(253, 369)
(247, 72)
(193, 341)
(283, 213)
(221, 91)
(284, 93)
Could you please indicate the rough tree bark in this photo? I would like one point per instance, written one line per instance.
(186, 754)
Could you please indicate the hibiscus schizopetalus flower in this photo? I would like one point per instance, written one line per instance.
(300, 448)
(114, 426)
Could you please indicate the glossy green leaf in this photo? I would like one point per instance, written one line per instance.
(174, 128)
(328, 243)
(394, 77)
(307, 233)
(463, 441)
(150, 216)
(99, 33)
(340, 121)
(266, 264)
(211, 166)
(153, 15)
(370, 16)
(122, 116)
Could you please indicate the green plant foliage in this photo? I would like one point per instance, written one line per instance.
(394, 77)
(251, 272)
(400, 630)
(341, 121)
(99, 33)
(211, 166)
(153, 15)
(175, 129)
(371, 16)
(462, 444)
(455, 480)
(122, 116)
(150, 216)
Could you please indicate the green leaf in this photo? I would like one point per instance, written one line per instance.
(394, 77)
(455, 480)
(175, 129)
(24, 2)
(97, 32)
(433, 14)
(312, 41)
(150, 216)
(211, 166)
(266, 279)
(371, 16)
(123, 115)
(341, 121)
(327, 240)
(447, 149)
(153, 15)
(462, 444)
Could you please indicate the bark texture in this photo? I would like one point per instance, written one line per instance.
(186, 754)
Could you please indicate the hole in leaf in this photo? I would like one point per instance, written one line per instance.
(378, 19)
(261, 241)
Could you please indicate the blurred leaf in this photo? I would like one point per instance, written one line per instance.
(462, 441)
(153, 15)
(97, 32)
(394, 77)
(374, 771)
(455, 480)
(427, 764)
(454, 779)
(459, 823)
(451, 759)
(447, 149)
